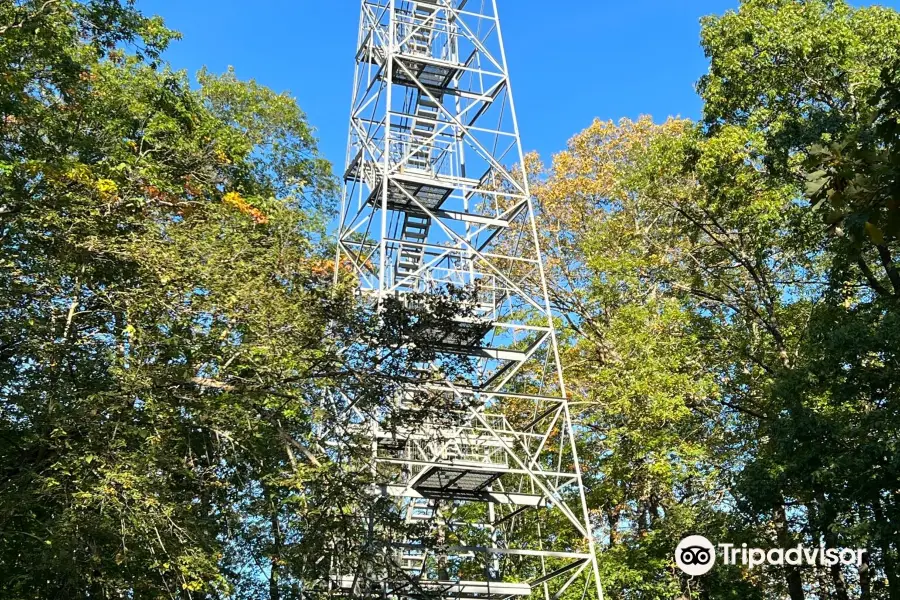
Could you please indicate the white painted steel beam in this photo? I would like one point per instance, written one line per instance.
(436, 194)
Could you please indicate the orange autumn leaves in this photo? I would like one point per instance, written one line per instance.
(591, 171)
(325, 267)
(235, 200)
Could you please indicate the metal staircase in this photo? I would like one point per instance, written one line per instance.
(435, 183)
(422, 36)
(423, 128)
(414, 236)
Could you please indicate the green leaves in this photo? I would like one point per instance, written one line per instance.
(797, 71)
(734, 288)
(817, 81)
(675, 331)
(158, 345)
(815, 181)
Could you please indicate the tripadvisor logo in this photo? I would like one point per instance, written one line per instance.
(696, 556)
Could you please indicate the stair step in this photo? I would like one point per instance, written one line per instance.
(426, 101)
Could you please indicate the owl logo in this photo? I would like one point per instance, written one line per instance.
(695, 555)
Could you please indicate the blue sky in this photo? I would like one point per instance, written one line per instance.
(569, 61)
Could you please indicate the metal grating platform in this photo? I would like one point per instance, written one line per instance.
(430, 590)
(434, 75)
(464, 333)
(455, 483)
(430, 191)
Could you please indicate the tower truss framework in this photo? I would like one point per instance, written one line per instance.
(436, 197)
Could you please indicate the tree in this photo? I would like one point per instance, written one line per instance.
(816, 80)
(713, 314)
(681, 323)
(170, 338)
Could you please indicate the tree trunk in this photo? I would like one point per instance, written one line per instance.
(865, 579)
(890, 563)
(277, 543)
(615, 536)
(821, 523)
(704, 591)
(785, 539)
(838, 581)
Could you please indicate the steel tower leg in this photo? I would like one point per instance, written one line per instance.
(489, 489)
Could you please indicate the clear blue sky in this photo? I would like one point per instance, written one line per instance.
(570, 61)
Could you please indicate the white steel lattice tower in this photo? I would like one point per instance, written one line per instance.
(436, 198)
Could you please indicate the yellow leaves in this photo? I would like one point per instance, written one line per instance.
(221, 157)
(323, 271)
(83, 175)
(325, 268)
(235, 200)
(533, 164)
(195, 585)
(107, 188)
(593, 169)
(80, 173)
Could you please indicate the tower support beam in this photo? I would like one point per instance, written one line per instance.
(486, 501)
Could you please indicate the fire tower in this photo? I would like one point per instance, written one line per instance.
(436, 197)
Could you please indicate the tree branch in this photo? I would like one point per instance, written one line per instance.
(871, 279)
(26, 19)
(888, 261)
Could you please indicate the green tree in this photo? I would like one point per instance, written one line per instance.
(171, 342)
(686, 257)
(715, 316)
(817, 82)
